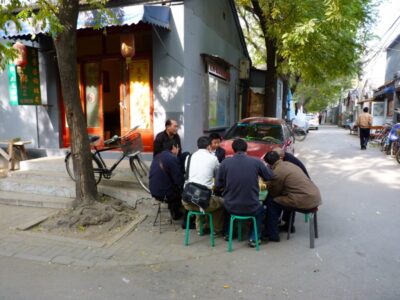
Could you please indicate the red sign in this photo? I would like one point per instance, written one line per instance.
(218, 71)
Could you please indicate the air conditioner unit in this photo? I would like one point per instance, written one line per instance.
(244, 68)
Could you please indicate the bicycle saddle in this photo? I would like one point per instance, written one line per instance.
(93, 138)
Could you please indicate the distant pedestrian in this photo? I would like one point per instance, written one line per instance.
(364, 122)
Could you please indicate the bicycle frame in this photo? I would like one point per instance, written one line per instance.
(105, 169)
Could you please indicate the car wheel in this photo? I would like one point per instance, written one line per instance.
(316, 128)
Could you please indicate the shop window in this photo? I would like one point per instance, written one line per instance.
(218, 103)
(92, 94)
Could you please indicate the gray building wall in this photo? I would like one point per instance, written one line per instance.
(392, 60)
(168, 71)
(38, 124)
(209, 28)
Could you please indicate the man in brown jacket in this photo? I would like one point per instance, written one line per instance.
(364, 122)
(289, 188)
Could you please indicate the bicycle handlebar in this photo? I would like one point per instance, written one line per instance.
(116, 138)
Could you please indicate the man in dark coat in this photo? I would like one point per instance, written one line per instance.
(170, 133)
(166, 178)
(219, 152)
(238, 177)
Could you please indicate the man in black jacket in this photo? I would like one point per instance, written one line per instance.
(166, 178)
(238, 177)
(170, 133)
(216, 149)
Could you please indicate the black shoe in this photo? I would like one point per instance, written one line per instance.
(205, 231)
(226, 237)
(191, 225)
(285, 228)
(275, 239)
(252, 243)
(176, 214)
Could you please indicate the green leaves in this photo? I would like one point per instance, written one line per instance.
(44, 16)
(317, 40)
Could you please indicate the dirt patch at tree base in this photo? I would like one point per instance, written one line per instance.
(99, 222)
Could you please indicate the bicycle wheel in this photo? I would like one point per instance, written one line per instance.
(398, 156)
(97, 167)
(300, 135)
(141, 171)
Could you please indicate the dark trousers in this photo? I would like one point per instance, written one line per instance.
(274, 211)
(364, 137)
(260, 216)
(174, 204)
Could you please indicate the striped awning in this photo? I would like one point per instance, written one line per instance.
(125, 15)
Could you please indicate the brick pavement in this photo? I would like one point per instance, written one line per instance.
(145, 245)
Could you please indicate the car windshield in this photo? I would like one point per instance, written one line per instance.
(310, 117)
(259, 132)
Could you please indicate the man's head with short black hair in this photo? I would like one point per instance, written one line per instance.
(215, 140)
(239, 145)
(365, 109)
(271, 158)
(203, 142)
(215, 136)
(170, 145)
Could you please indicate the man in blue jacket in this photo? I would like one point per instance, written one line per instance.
(238, 177)
(166, 178)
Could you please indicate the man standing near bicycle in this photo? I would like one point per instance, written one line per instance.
(170, 133)
(364, 122)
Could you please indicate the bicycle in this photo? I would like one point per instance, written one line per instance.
(131, 146)
(299, 133)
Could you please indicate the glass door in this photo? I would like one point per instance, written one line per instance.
(93, 98)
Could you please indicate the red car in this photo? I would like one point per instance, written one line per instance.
(261, 134)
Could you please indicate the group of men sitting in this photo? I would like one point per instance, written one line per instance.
(234, 182)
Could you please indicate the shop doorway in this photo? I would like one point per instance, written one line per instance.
(111, 79)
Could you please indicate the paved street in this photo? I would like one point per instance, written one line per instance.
(356, 257)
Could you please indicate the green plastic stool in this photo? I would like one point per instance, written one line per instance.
(201, 214)
(240, 219)
(306, 218)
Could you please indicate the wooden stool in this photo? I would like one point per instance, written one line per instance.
(14, 146)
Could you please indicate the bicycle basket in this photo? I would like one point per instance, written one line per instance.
(131, 143)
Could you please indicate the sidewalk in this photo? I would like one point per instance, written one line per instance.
(145, 245)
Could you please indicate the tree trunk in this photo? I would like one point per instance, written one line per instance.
(65, 43)
(270, 79)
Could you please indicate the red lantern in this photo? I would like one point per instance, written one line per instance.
(127, 46)
(22, 58)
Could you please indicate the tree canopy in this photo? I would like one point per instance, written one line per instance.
(314, 40)
(59, 19)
